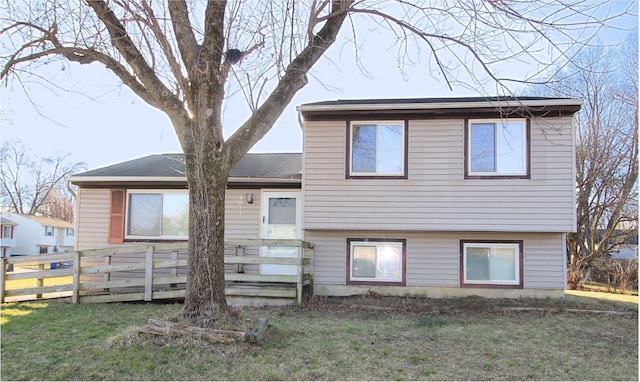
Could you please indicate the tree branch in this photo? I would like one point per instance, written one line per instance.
(164, 99)
(294, 79)
(187, 44)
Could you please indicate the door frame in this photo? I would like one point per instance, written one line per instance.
(264, 209)
(266, 194)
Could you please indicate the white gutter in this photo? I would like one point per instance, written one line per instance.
(113, 179)
(441, 105)
(168, 179)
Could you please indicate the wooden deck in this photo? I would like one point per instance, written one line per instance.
(154, 272)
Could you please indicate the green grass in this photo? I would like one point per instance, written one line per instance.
(330, 339)
(32, 283)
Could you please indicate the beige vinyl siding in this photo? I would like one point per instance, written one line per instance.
(433, 258)
(242, 220)
(436, 197)
(92, 220)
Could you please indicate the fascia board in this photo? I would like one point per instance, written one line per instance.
(442, 105)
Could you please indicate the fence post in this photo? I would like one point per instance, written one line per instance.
(311, 249)
(239, 252)
(3, 279)
(174, 270)
(75, 297)
(39, 281)
(107, 275)
(299, 252)
(148, 274)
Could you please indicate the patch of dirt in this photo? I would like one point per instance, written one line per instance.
(472, 306)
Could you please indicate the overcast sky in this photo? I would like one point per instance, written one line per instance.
(85, 111)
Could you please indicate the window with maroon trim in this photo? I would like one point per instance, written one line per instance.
(377, 149)
(157, 214)
(497, 148)
(376, 261)
(491, 263)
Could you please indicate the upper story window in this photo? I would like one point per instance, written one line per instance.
(68, 232)
(48, 231)
(497, 148)
(157, 215)
(7, 232)
(377, 149)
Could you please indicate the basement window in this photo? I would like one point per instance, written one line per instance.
(376, 261)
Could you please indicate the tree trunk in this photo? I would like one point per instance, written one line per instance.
(207, 172)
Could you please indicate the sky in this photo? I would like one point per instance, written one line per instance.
(84, 111)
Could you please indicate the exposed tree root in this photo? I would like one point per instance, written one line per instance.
(167, 328)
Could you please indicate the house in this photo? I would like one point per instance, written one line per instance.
(432, 196)
(8, 236)
(39, 235)
(628, 250)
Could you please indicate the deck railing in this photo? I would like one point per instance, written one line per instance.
(150, 272)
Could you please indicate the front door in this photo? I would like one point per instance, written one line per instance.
(280, 220)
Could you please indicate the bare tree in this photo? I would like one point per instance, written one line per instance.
(59, 203)
(35, 186)
(606, 152)
(185, 57)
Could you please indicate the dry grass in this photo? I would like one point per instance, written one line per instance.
(332, 339)
(629, 300)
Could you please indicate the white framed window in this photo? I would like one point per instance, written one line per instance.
(68, 232)
(157, 214)
(373, 261)
(492, 263)
(48, 231)
(7, 232)
(497, 147)
(377, 149)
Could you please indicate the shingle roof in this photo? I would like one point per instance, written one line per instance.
(436, 100)
(50, 222)
(267, 165)
(5, 221)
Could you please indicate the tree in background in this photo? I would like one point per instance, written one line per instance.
(187, 59)
(606, 152)
(36, 186)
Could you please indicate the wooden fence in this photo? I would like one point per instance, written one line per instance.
(154, 271)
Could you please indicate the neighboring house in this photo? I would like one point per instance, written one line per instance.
(430, 197)
(628, 250)
(39, 235)
(8, 236)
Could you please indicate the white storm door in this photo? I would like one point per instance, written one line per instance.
(281, 213)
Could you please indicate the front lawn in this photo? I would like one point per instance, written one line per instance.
(332, 339)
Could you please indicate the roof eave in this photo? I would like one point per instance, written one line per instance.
(137, 180)
(442, 105)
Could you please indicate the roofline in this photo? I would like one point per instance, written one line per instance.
(56, 223)
(115, 179)
(79, 180)
(441, 105)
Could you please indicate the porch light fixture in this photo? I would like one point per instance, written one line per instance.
(249, 198)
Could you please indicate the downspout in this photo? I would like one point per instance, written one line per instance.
(75, 215)
(564, 262)
(302, 181)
